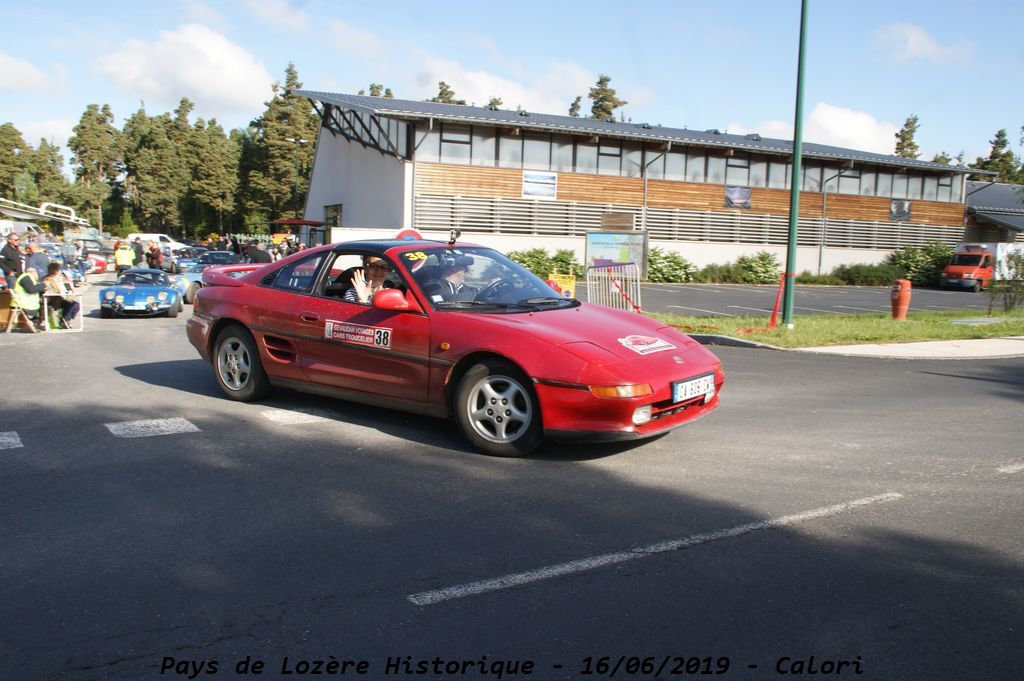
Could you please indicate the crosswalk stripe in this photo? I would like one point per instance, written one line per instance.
(151, 427)
(297, 416)
(10, 440)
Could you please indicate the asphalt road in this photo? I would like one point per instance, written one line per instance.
(858, 510)
(729, 300)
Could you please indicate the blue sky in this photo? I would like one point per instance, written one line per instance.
(701, 65)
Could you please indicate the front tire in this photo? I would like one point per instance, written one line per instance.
(978, 286)
(237, 366)
(190, 295)
(497, 410)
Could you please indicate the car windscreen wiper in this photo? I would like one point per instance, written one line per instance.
(549, 300)
(466, 304)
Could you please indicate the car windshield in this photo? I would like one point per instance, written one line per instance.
(144, 279)
(217, 258)
(480, 280)
(965, 259)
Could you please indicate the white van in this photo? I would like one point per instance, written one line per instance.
(18, 227)
(160, 239)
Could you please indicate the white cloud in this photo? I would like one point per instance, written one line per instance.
(55, 131)
(832, 125)
(19, 75)
(278, 14)
(195, 62)
(907, 42)
(355, 41)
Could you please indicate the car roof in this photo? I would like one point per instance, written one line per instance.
(381, 246)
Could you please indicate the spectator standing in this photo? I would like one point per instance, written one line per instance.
(11, 259)
(124, 256)
(37, 260)
(258, 254)
(140, 252)
(68, 253)
(153, 256)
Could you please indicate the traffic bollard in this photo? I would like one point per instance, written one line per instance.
(900, 299)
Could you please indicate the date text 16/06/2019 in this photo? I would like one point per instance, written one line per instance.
(482, 667)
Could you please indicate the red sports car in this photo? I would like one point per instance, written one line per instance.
(451, 330)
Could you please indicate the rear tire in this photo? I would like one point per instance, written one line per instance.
(237, 365)
(497, 410)
(172, 311)
(190, 294)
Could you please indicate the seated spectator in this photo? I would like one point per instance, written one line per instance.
(58, 290)
(25, 293)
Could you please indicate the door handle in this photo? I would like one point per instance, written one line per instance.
(309, 316)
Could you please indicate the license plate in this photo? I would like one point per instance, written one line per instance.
(687, 390)
(135, 307)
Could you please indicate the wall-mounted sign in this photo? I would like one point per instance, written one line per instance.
(539, 185)
(899, 210)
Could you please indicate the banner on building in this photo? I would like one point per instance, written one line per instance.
(537, 185)
(899, 210)
(737, 197)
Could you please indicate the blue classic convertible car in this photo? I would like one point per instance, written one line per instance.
(143, 293)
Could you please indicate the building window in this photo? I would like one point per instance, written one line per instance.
(632, 159)
(455, 143)
(778, 175)
(510, 151)
(812, 177)
(609, 157)
(675, 166)
(586, 157)
(654, 162)
(695, 166)
(899, 185)
(737, 170)
(944, 190)
(537, 151)
(884, 183)
(561, 153)
(931, 188)
(867, 183)
(332, 215)
(849, 182)
(758, 171)
(427, 144)
(483, 146)
(958, 186)
(716, 168)
(914, 188)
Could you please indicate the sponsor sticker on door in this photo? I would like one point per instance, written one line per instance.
(645, 345)
(357, 334)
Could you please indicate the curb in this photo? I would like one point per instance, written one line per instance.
(715, 339)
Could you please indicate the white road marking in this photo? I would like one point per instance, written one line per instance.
(521, 578)
(296, 416)
(151, 427)
(1012, 468)
(10, 440)
(683, 307)
(756, 309)
(866, 309)
(943, 307)
(816, 309)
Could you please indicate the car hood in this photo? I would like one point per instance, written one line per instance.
(134, 293)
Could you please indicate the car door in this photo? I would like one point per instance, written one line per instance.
(278, 316)
(360, 347)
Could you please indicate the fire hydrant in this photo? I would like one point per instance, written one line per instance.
(900, 299)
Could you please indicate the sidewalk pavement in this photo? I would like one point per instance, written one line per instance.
(975, 348)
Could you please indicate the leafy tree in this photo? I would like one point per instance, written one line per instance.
(604, 99)
(44, 172)
(388, 94)
(943, 158)
(495, 103)
(376, 89)
(905, 144)
(445, 95)
(574, 108)
(669, 267)
(1001, 160)
(278, 166)
(12, 159)
(157, 170)
(96, 152)
(922, 266)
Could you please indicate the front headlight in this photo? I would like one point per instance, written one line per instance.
(109, 295)
(968, 276)
(162, 295)
(119, 299)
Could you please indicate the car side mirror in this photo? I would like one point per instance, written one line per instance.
(396, 301)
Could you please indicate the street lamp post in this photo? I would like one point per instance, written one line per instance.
(298, 142)
(824, 212)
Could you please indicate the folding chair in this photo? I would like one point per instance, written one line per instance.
(17, 314)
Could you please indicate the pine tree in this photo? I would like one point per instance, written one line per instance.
(12, 159)
(44, 166)
(445, 95)
(905, 144)
(215, 178)
(574, 108)
(943, 158)
(376, 89)
(1001, 160)
(605, 100)
(156, 167)
(494, 103)
(388, 94)
(278, 176)
(96, 158)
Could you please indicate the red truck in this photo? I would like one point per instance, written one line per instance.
(975, 265)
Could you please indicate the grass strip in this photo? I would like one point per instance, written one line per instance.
(817, 330)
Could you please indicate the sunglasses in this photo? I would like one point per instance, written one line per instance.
(377, 267)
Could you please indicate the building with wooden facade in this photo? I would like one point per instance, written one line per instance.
(520, 179)
(995, 212)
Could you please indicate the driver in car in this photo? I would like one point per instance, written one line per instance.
(451, 285)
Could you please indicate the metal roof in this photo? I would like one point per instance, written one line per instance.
(412, 109)
(995, 196)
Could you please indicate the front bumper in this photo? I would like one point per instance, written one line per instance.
(151, 310)
(957, 283)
